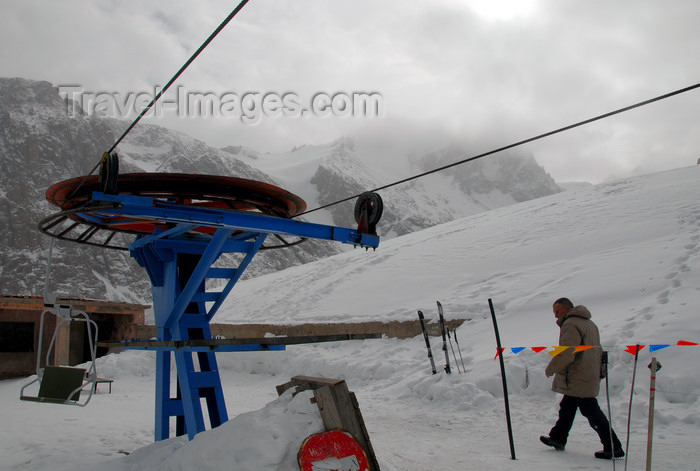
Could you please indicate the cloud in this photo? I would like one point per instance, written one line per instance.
(446, 67)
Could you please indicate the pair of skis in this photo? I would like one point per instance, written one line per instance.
(445, 338)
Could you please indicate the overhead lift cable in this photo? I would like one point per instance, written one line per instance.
(516, 144)
(211, 37)
(179, 72)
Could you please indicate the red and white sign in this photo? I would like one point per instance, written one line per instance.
(336, 450)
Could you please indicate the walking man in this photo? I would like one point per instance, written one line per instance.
(577, 377)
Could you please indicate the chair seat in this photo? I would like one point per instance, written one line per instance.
(57, 382)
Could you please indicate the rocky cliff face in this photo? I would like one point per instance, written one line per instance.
(39, 146)
(44, 140)
(515, 174)
(453, 193)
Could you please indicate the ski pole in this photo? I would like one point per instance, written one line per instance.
(454, 332)
(454, 355)
(607, 397)
(654, 366)
(629, 412)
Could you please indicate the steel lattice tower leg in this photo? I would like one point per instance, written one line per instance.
(178, 270)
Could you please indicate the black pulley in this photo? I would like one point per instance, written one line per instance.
(368, 212)
(109, 173)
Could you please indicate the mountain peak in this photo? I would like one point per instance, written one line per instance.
(44, 142)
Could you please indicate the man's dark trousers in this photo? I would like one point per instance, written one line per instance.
(590, 410)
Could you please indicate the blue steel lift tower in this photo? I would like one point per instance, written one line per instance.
(177, 226)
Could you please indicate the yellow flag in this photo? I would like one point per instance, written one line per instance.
(581, 348)
(557, 350)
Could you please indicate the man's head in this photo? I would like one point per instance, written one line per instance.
(561, 306)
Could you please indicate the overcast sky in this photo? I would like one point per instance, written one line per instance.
(484, 72)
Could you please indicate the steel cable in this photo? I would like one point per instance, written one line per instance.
(519, 143)
(211, 37)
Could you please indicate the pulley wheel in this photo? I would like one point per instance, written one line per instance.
(109, 173)
(372, 206)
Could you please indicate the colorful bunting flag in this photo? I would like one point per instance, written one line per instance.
(498, 352)
(634, 349)
(558, 349)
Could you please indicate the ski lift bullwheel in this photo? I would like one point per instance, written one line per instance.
(74, 198)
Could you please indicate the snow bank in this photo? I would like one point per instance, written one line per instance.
(278, 430)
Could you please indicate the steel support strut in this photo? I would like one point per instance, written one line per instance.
(183, 308)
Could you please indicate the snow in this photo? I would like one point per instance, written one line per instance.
(295, 169)
(628, 249)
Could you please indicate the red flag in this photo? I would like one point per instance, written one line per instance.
(634, 349)
(498, 352)
(686, 343)
(538, 349)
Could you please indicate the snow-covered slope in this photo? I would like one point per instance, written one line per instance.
(629, 250)
(571, 243)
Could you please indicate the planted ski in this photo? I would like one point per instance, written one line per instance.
(427, 340)
(443, 330)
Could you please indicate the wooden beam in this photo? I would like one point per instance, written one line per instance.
(215, 344)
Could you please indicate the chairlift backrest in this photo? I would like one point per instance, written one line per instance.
(61, 384)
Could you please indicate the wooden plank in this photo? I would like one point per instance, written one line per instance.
(351, 418)
(315, 381)
(330, 412)
(364, 433)
(213, 344)
(284, 387)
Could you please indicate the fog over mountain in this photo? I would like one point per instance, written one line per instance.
(44, 140)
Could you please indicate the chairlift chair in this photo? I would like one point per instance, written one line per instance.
(62, 384)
